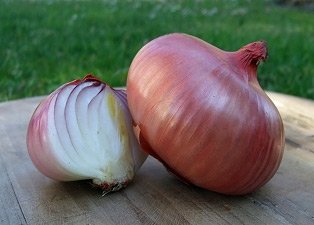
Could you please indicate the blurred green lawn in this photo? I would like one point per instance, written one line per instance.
(44, 43)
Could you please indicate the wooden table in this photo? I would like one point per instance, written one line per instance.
(155, 197)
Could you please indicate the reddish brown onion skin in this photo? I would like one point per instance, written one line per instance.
(202, 112)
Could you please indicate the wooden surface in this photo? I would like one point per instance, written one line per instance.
(155, 197)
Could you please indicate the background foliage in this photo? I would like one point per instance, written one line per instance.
(44, 43)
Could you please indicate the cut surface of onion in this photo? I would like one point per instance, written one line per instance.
(83, 130)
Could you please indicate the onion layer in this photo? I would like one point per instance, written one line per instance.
(83, 130)
(201, 112)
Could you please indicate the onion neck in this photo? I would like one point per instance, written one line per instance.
(249, 56)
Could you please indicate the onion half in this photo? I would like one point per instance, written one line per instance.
(83, 130)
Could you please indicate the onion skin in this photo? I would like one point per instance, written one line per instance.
(83, 130)
(202, 113)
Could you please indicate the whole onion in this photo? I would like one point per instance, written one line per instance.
(201, 112)
(83, 130)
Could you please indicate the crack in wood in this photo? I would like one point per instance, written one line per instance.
(9, 178)
(297, 146)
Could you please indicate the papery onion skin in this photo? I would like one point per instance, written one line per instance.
(83, 130)
(203, 114)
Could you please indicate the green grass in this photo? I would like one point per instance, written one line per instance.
(46, 43)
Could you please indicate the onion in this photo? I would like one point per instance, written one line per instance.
(83, 130)
(202, 113)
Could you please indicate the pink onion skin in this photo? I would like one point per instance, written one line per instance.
(201, 112)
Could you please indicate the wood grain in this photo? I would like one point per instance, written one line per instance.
(156, 197)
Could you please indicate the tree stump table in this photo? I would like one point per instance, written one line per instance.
(155, 196)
